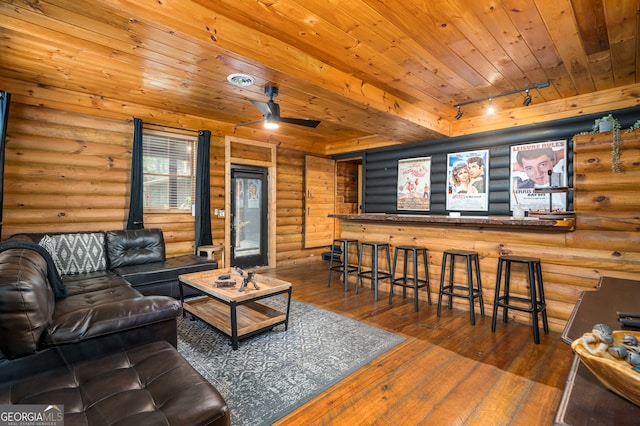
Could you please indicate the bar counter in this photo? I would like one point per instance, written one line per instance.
(527, 223)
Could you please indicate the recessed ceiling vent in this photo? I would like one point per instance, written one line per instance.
(241, 80)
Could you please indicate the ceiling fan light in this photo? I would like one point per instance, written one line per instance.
(271, 123)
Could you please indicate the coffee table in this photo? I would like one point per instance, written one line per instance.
(236, 314)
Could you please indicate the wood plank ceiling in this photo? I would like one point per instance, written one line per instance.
(374, 72)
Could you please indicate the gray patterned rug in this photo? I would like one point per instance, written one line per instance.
(273, 373)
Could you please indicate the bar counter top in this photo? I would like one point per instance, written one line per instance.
(528, 223)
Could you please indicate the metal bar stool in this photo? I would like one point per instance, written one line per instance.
(464, 291)
(534, 304)
(373, 274)
(405, 281)
(343, 266)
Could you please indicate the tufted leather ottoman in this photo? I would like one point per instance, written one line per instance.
(148, 385)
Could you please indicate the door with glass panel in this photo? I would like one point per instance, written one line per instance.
(249, 208)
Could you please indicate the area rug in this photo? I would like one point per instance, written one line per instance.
(273, 373)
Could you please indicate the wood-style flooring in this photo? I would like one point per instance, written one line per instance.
(447, 372)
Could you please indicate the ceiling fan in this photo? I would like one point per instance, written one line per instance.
(271, 113)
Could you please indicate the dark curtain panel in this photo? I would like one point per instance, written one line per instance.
(4, 119)
(135, 220)
(203, 196)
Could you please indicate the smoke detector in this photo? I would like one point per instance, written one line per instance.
(241, 80)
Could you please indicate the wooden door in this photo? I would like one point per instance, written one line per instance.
(319, 201)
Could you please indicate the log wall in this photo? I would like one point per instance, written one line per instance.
(605, 242)
(67, 171)
(290, 210)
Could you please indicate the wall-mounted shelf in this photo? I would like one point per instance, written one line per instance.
(524, 224)
(553, 190)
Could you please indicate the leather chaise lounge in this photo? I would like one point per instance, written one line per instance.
(92, 343)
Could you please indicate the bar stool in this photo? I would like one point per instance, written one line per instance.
(373, 274)
(534, 304)
(405, 281)
(464, 291)
(343, 266)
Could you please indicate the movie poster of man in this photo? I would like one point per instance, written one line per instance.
(467, 181)
(414, 184)
(538, 165)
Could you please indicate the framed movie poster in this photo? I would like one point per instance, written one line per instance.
(467, 181)
(538, 165)
(414, 184)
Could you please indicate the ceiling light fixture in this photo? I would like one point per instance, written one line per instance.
(491, 109)
(271, 122)
(459, 114)
(241, 80)
(527, 99)
(526, 102)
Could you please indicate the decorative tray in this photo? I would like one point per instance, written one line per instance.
(614, 373)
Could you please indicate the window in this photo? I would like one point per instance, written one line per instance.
(169, 167)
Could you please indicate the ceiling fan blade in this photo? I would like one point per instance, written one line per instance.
(262, 106)
(249, 122)
(300, 121)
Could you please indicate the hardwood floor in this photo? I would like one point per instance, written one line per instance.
(446, 372)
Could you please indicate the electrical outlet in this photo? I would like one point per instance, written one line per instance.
(221, 213)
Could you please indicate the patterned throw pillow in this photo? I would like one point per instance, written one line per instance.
(48, 244)
(79, 253)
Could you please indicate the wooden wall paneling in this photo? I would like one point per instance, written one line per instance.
(319, 201)
(290, 210)
(605, 242)
(57, 162)
(70, 172)
(217, 188)
(347, 187)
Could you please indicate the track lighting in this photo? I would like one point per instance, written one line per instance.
(459, 114)
(527, 99)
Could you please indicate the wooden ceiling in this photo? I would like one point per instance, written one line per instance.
(374, 72)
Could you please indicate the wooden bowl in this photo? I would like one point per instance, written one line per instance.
(616, 374)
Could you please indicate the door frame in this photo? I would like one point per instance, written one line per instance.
(250, 173)
(234, 145)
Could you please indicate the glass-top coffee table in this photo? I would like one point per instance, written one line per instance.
(235, 313)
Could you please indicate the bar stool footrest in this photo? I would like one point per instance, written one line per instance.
(529, 309)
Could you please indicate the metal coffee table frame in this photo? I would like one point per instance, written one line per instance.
(236, 314)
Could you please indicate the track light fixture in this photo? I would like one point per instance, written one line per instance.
(459, 114)
(527, 99)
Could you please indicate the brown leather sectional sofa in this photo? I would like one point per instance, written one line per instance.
(91, 342)
(138, 256)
